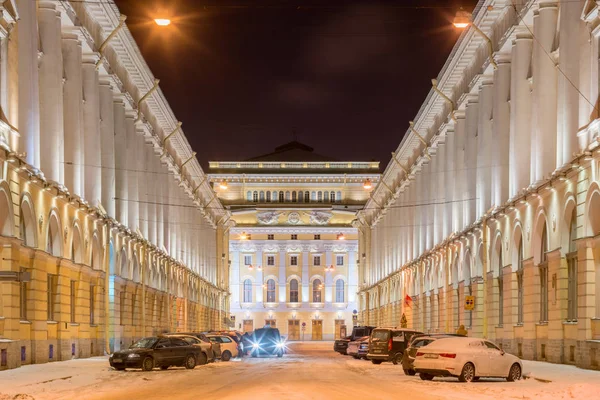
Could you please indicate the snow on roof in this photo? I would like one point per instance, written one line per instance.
(452, 342)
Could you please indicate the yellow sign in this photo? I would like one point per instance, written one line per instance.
(469, 303)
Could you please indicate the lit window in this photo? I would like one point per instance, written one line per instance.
(294, 260)
(271, 260)
(247, 291)
(317, 291)
(339, 291)
(339, 260)
(317, 261)
(326, 197)
(247, 260)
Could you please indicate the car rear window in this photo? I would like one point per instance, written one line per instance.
(380, 335)
(267, 334)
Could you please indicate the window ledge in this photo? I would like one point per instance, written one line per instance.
(518, 325)
(570, 322)
(25, 322)
(294, 305)
(93, 325)
(542, 323)
(73, 323)
(317, 305)
(271, 304)
(52, 322)
(500, 326)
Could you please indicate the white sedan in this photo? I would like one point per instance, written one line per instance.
(466, 358)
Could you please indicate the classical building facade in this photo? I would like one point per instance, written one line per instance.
(293, 249)
(104, 230)
(494, 191)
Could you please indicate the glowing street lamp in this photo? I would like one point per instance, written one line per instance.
(367, 184)
(341, 236)
(243, 236)
(223, 185)
(462, 20)
(162, 21)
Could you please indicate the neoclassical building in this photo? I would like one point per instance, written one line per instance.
(293, 249)
(105, 232)
(494, 191)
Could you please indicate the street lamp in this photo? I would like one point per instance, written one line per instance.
(243, 236)
(162, 21)
(367, 184)
(341, 236)
(223, 185)
(464, 19)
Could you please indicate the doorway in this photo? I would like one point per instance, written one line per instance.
(270, 322)
(293, 329)
(317, 329)
(340, 328)
(248, 325)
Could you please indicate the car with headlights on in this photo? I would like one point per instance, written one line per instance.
(468, 359)
(358, 348)
(267, 342)
(158, 351)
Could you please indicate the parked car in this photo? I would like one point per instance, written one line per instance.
(204, 344)
(158, 351)
(229, 347)
(388, 344)
(216, 347)
(267, 342)
(236, 337)
(467, 359)
(359, 348)
(416, 343)
(341, 345)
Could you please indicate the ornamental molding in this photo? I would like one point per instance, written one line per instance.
(294, 248)
(292, 230)
(268, 217)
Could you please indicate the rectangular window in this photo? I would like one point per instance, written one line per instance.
(73, 299)
(247, 260)
(544, 292)
(270, 237)
(317, 261)
(339, 260)
(122, 307)
(294, 260)
(133, 309)
(92, 303)
(294, 237)
(270, 261)
(317, 237)
(51, 296)
(500, 301)
(23, 299)
(572, 286)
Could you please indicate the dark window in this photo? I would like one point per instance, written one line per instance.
(294, 291)
(294, 197)
(268, 197)
(294, 260)
(490, 345)
(271, 291)
(73, 299)
(317, 237)
(520, 283)
(544, 277)
(317, 291)
(23, 298)
(572, 271)
(281, 197)
(270, 260)
(255, 196)
(51, 296)
(317, 261)
(294, 237)
(92, 304)
(270, 237)
(306, 197)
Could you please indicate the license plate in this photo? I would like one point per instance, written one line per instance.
(431, 356)
(376, 351)
(117, 360)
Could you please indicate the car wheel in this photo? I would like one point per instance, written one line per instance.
(425, 377)
(190, 362)
(164, 367)
(202, 359)
(376, 362)
(409, 372)
(515, 373)
(468, 373)
(226, 356)
(356, 357)
(397, 359)
(148, 364)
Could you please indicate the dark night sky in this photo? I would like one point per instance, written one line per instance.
(346, 75)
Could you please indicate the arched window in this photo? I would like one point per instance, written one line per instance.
(255, 196)
(76, 253)
(339, 291)
(500, 289)
(53, 245)
(338, 197)
(306, 197)
(262, 196)
(124, 264)
(544, 276)
(28, 226)
(287, 196)
(520, 282)
(300, 196)
(135, 275)
(572, 270)
(332, 196)
(281, 199)
(320, 196)
(271, 291)
(313, 196)
(247, 291)
(317, 291)
(249, 195)
(294, 291)
(6, 215)
(268, 197)
(326, 197)
(294, 197)
(96, 254)
(274, 196)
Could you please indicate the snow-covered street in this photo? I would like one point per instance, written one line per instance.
(308, 371)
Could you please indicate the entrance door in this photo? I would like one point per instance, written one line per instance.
(339, 323)
(293, 329)
(248, 325)
(317, 329)
(270, 322)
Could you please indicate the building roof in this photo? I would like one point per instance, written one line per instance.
(293, 151)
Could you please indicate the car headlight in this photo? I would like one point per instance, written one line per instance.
(280, 345)
(133, 355)
(255, 346)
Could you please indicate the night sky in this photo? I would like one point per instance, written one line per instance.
(346, 76)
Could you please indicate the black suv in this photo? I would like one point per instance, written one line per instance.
(388, 344)
(266, 342)
(341, 345)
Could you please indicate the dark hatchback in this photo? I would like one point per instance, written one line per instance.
(388, 344)
(267, 342)
(162, 352)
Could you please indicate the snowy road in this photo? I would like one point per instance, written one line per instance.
(309, 371)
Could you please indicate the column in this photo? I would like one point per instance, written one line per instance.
(107, 147)
(440, 190)
(121, 157)
(449, 188)
(91, 129)
(306, 293)
(352, 286)
(501, 130)
(520, 114)
(543, 140)
(261, 292)
(131, 163)
(484, 149)
(29, 100)
(142, 173)
(470, 163)
(459, 174)
(51, 92)
(151, 196)
(73, 114)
